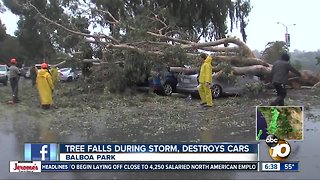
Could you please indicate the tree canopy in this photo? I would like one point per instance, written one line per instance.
(195, 18)
(9, 48)
(127, 20)
(2, 26)
(39, 38)
(142, 33)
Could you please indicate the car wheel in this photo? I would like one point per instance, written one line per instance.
(167, 89)
(69, 79)
(216, 91)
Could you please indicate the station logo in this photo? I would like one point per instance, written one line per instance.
(279, 149)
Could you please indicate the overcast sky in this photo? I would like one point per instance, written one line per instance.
(263, 27)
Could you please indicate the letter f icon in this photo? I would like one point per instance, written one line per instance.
(43, 152)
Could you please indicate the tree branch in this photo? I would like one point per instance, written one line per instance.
(156, 17)
(109, 14)
(251, 60)
(149, 33)
(165, 26)
(254, 70)
(247, 51)
(244, 61)
(72, 31)
(190, 44)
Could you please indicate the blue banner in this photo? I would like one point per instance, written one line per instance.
(289, 166)
(55, 167)
(154, 166)
(159, 148)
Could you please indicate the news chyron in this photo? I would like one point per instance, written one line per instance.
(138, 157)
(277, 126)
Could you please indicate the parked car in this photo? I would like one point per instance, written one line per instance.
(68, 74)
(162, 83)
(4, 74)
(165, 84)
(28, 74)
(188, 84)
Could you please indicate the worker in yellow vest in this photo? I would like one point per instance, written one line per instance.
(205, 81)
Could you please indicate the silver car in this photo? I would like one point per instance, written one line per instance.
(188, 84)
(28, 73)
(4, 74)
(68, 74)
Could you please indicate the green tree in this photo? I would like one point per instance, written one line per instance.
(10, 47)
(274, 50)
(3, 33)
(196, 18)
(132, 24)
(41, 39)
(31, 34)
(188, 19)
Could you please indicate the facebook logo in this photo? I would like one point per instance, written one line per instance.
(40, 152)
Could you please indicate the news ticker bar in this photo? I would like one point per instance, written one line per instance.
(173, 157)
(57, 166)
(51, 166)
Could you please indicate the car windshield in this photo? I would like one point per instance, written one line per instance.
(3, 68)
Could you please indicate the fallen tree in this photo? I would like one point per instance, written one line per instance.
(231, 49)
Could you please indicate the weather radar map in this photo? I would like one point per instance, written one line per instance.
(285, 122)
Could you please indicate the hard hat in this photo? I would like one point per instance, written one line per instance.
(44, 66)
(13, 61)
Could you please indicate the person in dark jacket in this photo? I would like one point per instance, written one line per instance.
(33, 75)
(14, 74)
(280, 72)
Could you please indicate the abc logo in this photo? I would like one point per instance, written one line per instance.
(279, 148)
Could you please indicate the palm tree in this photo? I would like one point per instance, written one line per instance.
(274, 50)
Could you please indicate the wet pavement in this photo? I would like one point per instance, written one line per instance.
(26, 123)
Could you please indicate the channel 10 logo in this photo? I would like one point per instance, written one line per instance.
(279, 149)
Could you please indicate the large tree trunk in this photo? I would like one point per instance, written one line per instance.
(241, 61)
(308, 78)
(253, 70)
